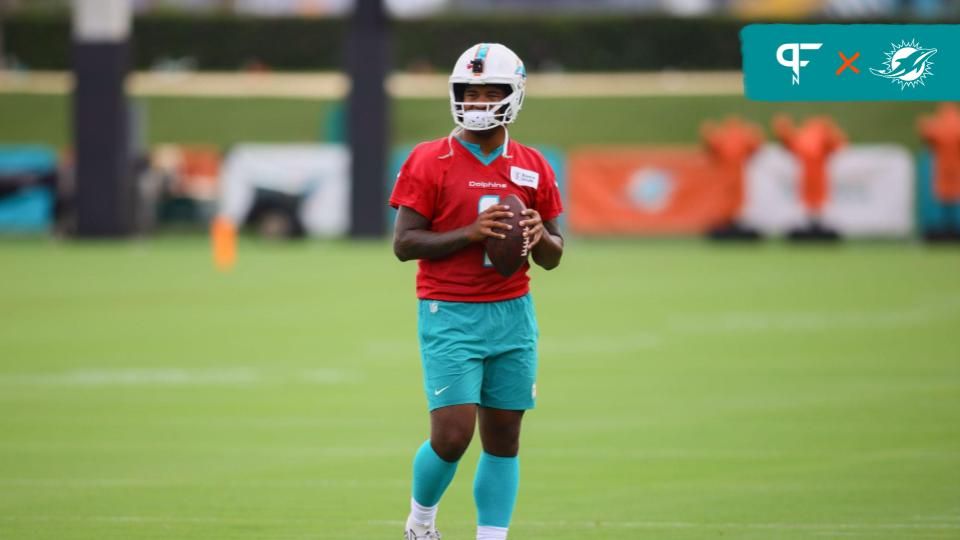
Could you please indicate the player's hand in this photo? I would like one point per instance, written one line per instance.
(487, 225)
(533, 226)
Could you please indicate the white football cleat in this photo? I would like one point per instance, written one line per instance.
(420, 531)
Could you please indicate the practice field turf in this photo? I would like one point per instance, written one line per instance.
(686, 391)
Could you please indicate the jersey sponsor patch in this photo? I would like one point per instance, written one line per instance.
(525, 178)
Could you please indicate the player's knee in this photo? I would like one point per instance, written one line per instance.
(503, 444)
(503, 432)
(450, 444)
(501, 439)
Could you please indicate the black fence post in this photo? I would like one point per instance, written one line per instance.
(368, 117)
(101, 55)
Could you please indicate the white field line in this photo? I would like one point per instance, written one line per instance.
(154, 520)
(604, 524)
(167, 448)
(596, 344)
(939, 518)
(559, 524)
(734, 322)
(178, 377)
(83, 483)
(548, 344)
(925, 312)
(391, 450)
(212, 421)
(393, 348)
(335, 85)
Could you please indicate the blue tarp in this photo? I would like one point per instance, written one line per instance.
(27, 210)
(27, 159)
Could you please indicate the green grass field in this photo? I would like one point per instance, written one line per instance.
(559, 122)
(686, 391)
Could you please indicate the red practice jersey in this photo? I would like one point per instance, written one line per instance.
(450, 189)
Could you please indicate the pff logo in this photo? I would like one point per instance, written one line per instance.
(794, 62)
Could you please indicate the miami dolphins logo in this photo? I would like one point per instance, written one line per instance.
(908, 64)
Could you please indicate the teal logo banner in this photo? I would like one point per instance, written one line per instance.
(851, 62)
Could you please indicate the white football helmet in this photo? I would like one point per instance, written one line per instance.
(487, 63)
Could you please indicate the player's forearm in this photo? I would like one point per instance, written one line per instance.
(424, 244)
(548, 251)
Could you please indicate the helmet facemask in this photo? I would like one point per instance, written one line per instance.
(480, 115)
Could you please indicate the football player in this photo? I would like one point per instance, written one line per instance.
(477, 329)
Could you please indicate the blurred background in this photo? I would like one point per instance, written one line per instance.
(204, 332)
(201, 81)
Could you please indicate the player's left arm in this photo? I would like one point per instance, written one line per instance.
(546, 243)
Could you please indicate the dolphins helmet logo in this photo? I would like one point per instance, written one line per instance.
(907, 64)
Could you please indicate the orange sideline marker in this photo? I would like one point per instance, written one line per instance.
(223, 237)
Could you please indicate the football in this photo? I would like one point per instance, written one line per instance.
(509, 254)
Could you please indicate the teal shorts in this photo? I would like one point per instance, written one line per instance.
(479, 352)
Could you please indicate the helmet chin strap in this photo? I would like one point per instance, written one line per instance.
(458, 129)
